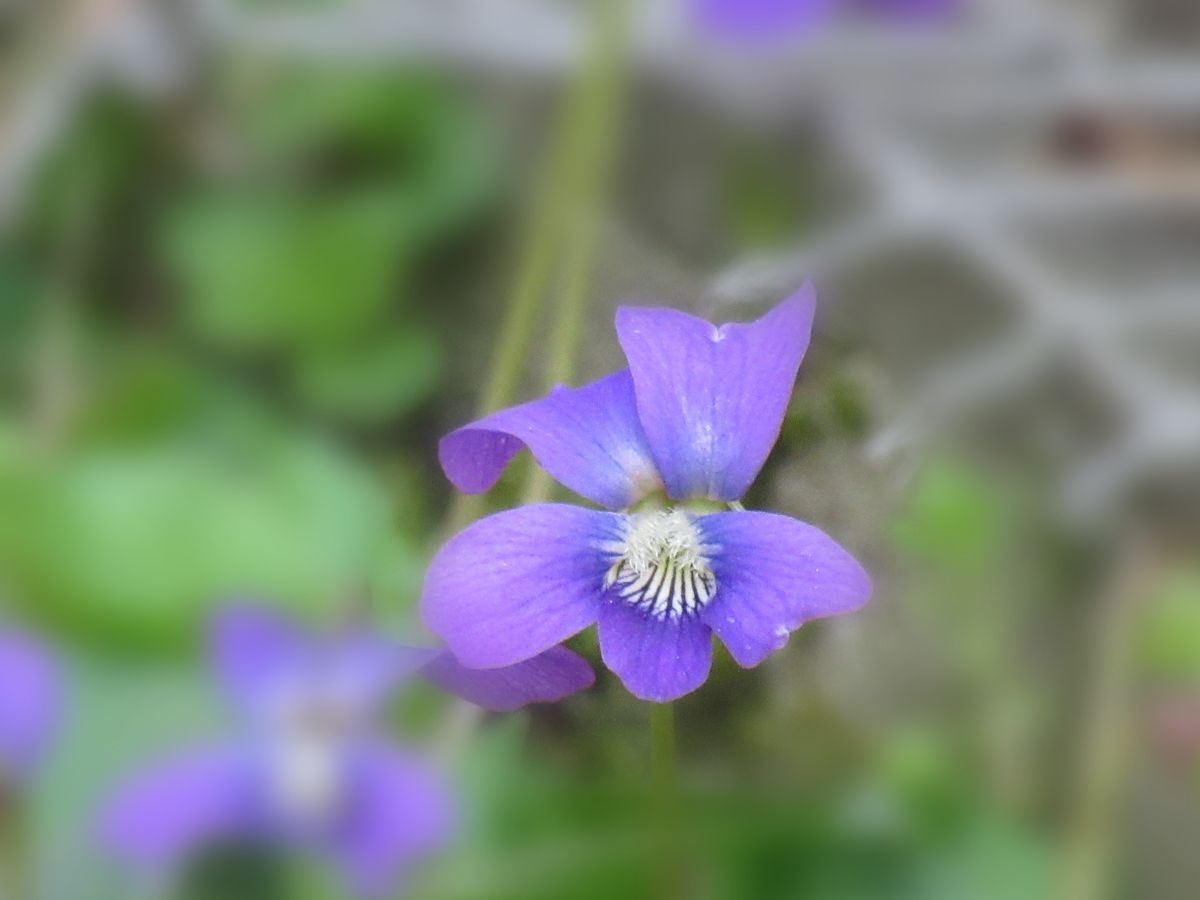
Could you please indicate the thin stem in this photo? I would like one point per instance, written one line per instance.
(662, 751)
(564, 211)
(598, 126)
(1103, 748)
(15, 875)
(666, 798)
(54, 377)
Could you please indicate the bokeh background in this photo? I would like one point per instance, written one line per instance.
(256, 257)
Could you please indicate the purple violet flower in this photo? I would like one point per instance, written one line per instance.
(311, 767)
(758, 21)
(30, 703)
(670, 444)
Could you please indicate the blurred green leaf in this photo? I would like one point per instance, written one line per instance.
(989, 860)
(1169, 643)
(404, 133)
(768, 201)
(848, 404)
(379, 380)
(137, 547)
(262, 272)
(953, 518)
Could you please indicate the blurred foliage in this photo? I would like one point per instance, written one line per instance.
(1169, 643)
(953, 518)
(260, 273)
(135, 546)
(913, 829)
(347, 182)
(169, 486)
(770, 197)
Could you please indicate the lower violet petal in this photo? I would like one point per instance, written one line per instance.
(551, 676)
(174, 809)
(519, 582)
(773, 574)
(401, 811)
(658, 659)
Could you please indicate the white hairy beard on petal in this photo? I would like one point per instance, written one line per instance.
(661, 564)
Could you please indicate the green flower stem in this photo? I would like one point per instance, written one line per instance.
(662, 751)
(55, 380)
(563, 211)
(15, 875)
(1103, 754)
(599, 119)
(668, 875)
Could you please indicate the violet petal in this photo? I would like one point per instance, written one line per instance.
(550, 676)
(773, 574)
(30, 701)
(658, 659)
(589, 438)
(174, 808)
(401, 811)
(712, 399)
(519, 582)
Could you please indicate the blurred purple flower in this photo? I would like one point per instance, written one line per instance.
(30, 703)
(311, 768)
(675, 441)
(756, 21)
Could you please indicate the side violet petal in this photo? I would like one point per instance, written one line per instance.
(774, 573)
(519, 582)
(31, 697)
(712, 399)
(589, 438)
(366, 666)
(657, 659)
(545, 678)
(176, 807)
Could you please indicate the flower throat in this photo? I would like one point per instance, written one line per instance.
(661, 566)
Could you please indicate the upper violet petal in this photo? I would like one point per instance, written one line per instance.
(519, 582)
(253, 649)
(658, 659)
(400, 811)
(30, 701)
(589, 438)
(175, 808)
(545, 678)
(712, 399)
(773, 574)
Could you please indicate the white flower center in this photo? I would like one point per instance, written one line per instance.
(306, 748)
(307, 779)
(661, 565)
